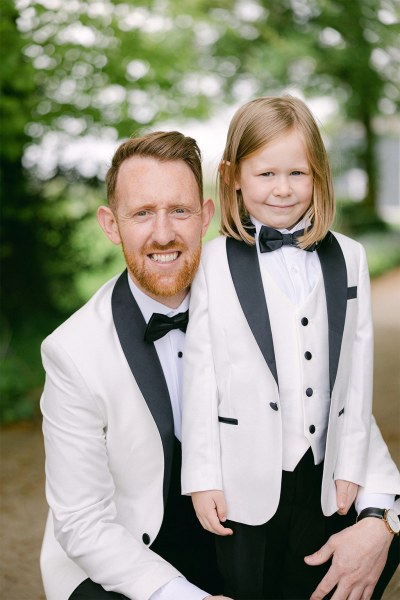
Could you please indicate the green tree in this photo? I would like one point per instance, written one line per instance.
(347, 50)
(109, 68)
(19, 204)
(69, 70)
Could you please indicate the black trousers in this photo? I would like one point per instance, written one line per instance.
(181, 541)
(267, 561)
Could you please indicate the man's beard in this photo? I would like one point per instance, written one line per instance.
(158, 284)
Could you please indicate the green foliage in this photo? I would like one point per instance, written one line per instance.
(110, 68)
(21, 374)
(381, 241)
(355, 219)
(383, 251)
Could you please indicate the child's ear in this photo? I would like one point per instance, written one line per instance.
(225, 169)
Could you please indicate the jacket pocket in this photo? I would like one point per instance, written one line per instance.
(352, 292)
(228, 421)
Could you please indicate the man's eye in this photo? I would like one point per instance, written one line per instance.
(181, 212)
(142, 215)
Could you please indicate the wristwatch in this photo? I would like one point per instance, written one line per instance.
(388, 515)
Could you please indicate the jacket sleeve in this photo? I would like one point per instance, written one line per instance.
(201, 468)
(357, 389)
(383, 476)
(80, 487)
(363, 455)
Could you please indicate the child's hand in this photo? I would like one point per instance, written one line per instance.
(346, 493)
(210, 509)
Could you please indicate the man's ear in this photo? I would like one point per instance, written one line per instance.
(225, 172)
(207, 212)
(108, 223)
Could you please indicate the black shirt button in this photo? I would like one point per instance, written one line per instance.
(304, 321)
(309, 392)
(273, 405)
(146, 538)
(308, 355)
(311, 429)
(180, 354)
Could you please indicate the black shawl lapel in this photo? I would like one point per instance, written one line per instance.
(246, 276)
(335, 280)
(145, 366)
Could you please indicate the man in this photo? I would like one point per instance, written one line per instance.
(118, 527)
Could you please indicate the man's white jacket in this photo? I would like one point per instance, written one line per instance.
(109, 436)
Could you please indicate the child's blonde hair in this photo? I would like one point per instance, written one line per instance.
(255, 125)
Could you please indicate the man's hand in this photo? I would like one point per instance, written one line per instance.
(358, 554)
(346, 493)
(210, 509)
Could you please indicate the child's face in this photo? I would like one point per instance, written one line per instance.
(277, 182)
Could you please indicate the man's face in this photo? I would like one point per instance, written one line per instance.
(159, 221)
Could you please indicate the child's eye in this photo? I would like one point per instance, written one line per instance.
(297, 173)
(267, 174)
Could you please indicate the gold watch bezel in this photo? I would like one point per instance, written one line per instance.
(386, 520)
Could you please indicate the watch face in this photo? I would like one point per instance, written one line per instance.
(393, 520)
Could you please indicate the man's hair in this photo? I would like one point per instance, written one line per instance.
(161, 145)
(254, 125)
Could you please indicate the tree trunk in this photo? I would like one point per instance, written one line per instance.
(369, 163)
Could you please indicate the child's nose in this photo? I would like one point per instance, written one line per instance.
(282, 186)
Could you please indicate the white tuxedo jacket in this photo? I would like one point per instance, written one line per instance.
(109, 436)
(232, 429)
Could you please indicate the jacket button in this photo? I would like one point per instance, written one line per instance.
(309, 392)
(304, 321)
(311, 429)
(308, 355)
(273, 405)
(146, 538)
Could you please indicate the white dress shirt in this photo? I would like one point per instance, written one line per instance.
(170, 352)
(296, 272)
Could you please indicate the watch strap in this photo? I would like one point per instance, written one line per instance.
(379, 513)
(389, 517)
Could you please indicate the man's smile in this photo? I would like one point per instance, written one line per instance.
(164, 258)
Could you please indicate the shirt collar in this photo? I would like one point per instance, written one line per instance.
(302, 224)
(148, 305)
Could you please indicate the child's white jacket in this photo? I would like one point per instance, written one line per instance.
(232, 432)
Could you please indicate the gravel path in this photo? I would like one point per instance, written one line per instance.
(23, 506)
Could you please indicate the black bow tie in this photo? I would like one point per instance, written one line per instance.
(159, 325)
(270, 239)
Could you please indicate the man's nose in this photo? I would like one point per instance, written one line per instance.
(163, 229)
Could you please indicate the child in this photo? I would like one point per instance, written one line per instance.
(277, 426)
